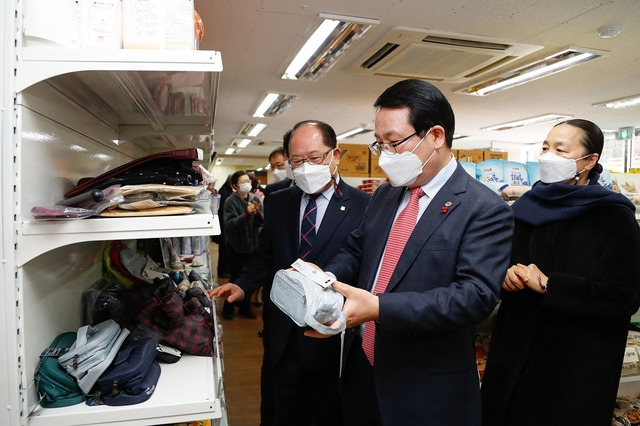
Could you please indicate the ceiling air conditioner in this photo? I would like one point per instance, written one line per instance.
(438, 56)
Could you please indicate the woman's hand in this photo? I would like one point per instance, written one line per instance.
(521, 276)
(253, 207)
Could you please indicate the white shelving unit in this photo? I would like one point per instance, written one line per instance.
(67, 114)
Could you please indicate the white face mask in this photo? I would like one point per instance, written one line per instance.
(554, 169)
(312, 178)
(279, 174)
(287, 169)
(403, 168)
(245, 188)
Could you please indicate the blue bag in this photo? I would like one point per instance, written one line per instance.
(132, 377)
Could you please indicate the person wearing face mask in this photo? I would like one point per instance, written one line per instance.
(299, 374)
(425, 265)
(280, 167)
(277, 161)
(560, 333)
(242, 221)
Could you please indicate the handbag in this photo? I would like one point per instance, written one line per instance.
(170, 167)
(55, 387)
(92, 352)
(308, 303)
(133, 375)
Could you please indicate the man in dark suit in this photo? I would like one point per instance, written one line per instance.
(420, 366)
(305, 370)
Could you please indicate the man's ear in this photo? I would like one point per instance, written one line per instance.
(439, 137)
(336, 155)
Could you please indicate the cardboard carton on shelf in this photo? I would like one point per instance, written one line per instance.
(472, 155)
(354, 160)
(374, 168)
(494, 155)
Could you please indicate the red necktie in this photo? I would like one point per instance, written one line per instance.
(400, 233)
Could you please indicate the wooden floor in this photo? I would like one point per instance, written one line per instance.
(242, 360)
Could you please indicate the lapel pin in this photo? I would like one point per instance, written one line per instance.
(342, 208)
(445, 208)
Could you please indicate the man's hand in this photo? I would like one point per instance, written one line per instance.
(230, 291)
(359, 307)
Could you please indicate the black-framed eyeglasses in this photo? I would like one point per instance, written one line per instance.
(376, 148)
(312, 159)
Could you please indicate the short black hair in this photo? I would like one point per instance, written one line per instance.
(285, 142)
(278, 150)
(426, 103)
(237, 175)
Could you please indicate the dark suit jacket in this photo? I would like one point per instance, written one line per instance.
(448, 278)
(278, 249)
(276, 186)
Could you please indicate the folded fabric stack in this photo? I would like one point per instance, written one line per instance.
(159, 184)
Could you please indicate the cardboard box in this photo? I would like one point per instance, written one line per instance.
(495, 155)
(354, 160)
(374, 169)
(473, 155)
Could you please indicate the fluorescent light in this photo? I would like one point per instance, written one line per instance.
(230, 151)
(353, 132)
(219, 161)
(528, 121)
(552, 64)
(252, 129)
(273, 105)
(327, 43)
(241, 143)
(620, 103)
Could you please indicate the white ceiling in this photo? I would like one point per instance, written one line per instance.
(258, 38)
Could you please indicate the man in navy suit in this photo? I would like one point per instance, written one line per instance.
(446, 280)
(305, 370)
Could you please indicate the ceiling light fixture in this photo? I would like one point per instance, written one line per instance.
(230, 151)
(565, 59)
(528, 121)
(327, 43)
(240, 143)
(219, 161)
(609, 31)
(620, 103)
(274, 104)
(353, 132)
(252, 129)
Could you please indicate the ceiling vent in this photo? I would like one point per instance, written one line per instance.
(438, 56)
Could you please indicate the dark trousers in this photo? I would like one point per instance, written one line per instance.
(236, 262)
(358, 391)
(304, 395)
(267, 403)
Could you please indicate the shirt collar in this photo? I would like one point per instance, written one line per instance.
(432, 187)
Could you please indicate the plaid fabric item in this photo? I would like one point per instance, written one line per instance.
(185, 325)
(190, 334)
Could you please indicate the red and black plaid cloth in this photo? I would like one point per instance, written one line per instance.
(158, 310)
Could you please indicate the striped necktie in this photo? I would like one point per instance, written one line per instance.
(308, 227)
(400, 233)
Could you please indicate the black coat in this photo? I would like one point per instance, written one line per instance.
(555, 359)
